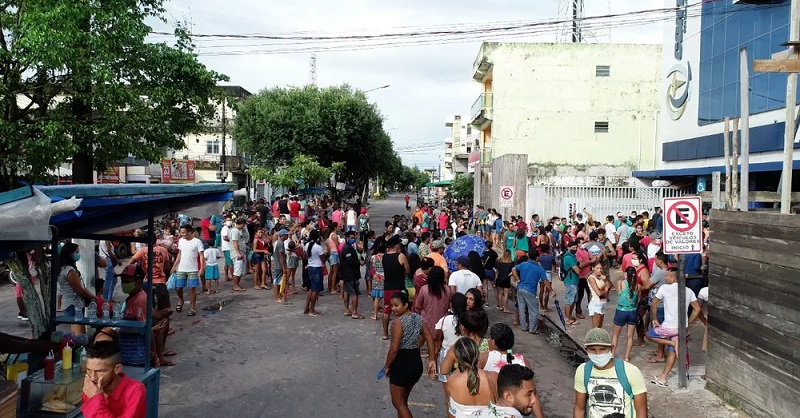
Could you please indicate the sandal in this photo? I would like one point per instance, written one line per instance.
(573, 322)
(657, 382)
(179, 308)
(385, 337)
(314, 313)
(357, 316)
(191, 313)
(170, 353)
(167, 363)
(655, 360)
(348, 314)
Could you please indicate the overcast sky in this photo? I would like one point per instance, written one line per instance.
(427, 82)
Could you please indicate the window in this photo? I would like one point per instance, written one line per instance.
(212, 147)
(601, 127)
(602, 71)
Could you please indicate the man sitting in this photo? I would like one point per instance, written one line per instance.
(107, 391)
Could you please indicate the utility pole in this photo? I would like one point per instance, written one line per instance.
(222, 173)
(787, 62)
(744, 186)
(577, 20)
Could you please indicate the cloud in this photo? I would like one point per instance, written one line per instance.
(427, 82)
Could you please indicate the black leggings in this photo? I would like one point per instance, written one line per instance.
(583, 287)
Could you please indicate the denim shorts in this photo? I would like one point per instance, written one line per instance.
(622, 318)
(315, 277)
(490, 275)
(571, 294)
(333, 258)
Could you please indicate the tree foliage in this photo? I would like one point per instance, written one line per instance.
(79, 81)
(410, 178)
(303, 170)
(462, 188)
(334, 124)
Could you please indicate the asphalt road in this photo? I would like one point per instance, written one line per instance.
(258, 358)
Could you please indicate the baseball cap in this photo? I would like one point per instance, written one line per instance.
(597, 336)
(437, 244)
(283, 232)
(463, 260)
(132, 270)
(240, 221)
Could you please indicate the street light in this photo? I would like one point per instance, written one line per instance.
(377, 88)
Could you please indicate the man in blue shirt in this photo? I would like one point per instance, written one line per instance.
(569, 263)
(528, 275)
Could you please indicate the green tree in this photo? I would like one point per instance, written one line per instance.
(334, 124)
(462, 188)
(80, 81)
(303, 169)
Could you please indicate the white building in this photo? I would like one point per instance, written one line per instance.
(461, 141)
(583, 113)
(700, 86)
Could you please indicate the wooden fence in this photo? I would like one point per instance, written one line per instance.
(754, 337)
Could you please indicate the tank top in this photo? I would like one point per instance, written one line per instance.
(599, 283)
(497, 360)
(626, 302)
(393, 272)
(333, 245)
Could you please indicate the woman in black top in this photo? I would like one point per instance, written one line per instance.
(395, 271)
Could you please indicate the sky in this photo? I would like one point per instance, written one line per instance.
(426, 82)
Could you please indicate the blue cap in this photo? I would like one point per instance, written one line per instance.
(463, 260)
(283, 232)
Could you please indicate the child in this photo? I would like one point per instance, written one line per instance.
(377, 278)
(212, 255)
(292, 261)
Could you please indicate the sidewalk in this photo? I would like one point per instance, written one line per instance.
(694, 401)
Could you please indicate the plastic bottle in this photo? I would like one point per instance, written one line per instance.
(66, 358)
(92, 314)
(83, 359)
(106, 315)
(50, 366)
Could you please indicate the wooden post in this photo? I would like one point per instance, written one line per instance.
(744, 184)
(735, 165)
(726, 147)
(716, 193)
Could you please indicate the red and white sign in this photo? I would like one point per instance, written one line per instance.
(177, 171)
(683, 230)
(474, 157)
(506, 196)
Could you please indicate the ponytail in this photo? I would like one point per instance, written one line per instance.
(509, 356)
(466, 351)
(473, 381)
(630, 274)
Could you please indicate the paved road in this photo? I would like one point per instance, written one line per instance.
(257, 358)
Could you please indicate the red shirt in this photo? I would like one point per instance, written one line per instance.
(160, 255)
(294, 209)
(128, 400)
(583, 257)
(276, 210)
(204, 223)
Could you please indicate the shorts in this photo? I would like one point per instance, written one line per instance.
(228, 259)
(663, 333)
(350, 228)
(333, 258)
(490, 275)
(660, 314)
(189, 279)
(162, 296)
(571, 293)
(352, 288)
(549, 276)
(212, 272)
(622, 318)
(277, 277)
(18, 290)
(439, 376)
(597, 307)
(377, 293)
(315, 277)
(239, 267)
(258, 258)
(387, 300)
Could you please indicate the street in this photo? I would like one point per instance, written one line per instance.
(246, 356)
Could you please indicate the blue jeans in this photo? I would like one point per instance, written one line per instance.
(528, 300)
(110, 280)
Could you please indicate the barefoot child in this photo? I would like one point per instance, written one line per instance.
(212, 255)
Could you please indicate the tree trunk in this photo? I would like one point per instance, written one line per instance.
(82, 167)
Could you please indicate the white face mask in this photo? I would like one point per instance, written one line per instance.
(635, 262)
(228, 223)
(600, 360)
(404, 241)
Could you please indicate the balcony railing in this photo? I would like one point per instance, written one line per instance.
(481, 109)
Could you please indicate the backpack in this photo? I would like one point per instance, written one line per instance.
(362, 224)
(563, 271)
(619, 369)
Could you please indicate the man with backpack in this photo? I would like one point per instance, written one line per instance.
(605, 385)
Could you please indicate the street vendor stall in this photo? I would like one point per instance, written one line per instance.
(34, 217)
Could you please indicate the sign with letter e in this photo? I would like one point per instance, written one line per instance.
(683, 231)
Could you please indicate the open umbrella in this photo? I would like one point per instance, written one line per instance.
(462, 246)
(560, 313)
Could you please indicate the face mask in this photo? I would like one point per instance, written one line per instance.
(404, 241)
(76, 256)
(600, 359)
(635, 262)
(127, 288)
(575, 251)
(639, 230)
(351, 241)
(228, 224)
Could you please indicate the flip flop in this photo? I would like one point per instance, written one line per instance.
(167, 363)
(178, 308)
(170, 353)
(653, 360)
(348, 314)
(573, 323)
(657, 382)
(314, 314)
(385, 338)
(191, 313)
(358, 317)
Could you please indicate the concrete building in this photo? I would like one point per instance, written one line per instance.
(700, 86)
(461, 141)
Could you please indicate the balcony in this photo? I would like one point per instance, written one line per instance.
(482, 110)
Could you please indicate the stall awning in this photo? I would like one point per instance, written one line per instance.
(442, 183)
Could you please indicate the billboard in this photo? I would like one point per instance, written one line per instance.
(177, 171)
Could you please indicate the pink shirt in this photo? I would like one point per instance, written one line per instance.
(442, 221)
(583, 257)
(337, 217)
(430, 308)
(128, 400)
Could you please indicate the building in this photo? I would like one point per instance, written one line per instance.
(700, 86)
(459, 144)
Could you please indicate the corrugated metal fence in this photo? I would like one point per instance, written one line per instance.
(550, 201)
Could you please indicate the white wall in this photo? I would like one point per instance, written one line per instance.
(547, 99)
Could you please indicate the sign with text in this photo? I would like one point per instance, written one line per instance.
(177, 171)
(683, 231)
(506, 196)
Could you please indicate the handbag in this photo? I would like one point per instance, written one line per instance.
(172, 281)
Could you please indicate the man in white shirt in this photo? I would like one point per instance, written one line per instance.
(666, 333)
(190, 266)
(611, 230)
(238, 253)
(225, 246)
(463, 279)
(516, 395)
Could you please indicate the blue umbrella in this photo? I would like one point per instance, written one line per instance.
(463, 246)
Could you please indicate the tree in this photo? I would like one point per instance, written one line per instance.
(303, 170)
(79, 81)
(410, 178)
(334, 124)
(462, 188)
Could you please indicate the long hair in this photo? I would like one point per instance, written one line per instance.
(476, 265)
(436, 285)
(458, 304)
(474, 322)
(478, 297)
(65, 256)
(466, 351)
(313, 238)
(630, 275)
(503, 337)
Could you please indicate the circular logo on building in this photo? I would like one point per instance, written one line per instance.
(680, 80)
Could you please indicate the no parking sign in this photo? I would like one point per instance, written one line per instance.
(506, 196)
(683, 231)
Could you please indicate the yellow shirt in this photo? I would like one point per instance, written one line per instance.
(606, 394)
(438, 260)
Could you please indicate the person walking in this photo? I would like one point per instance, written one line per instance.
(403, 364)
(188, 270)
